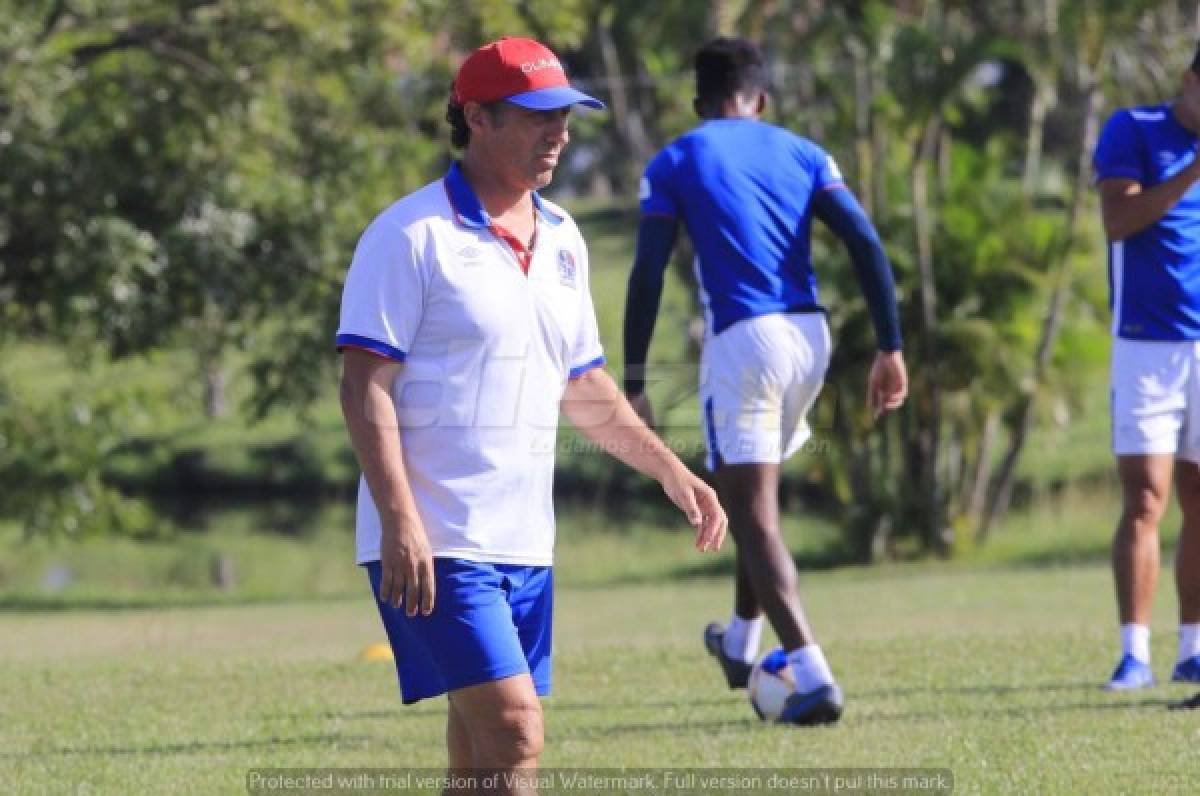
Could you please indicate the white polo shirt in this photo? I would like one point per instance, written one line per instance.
(487, 352)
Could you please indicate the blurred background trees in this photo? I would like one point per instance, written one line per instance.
(186, 181)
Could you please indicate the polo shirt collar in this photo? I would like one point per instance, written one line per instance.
(468, 210)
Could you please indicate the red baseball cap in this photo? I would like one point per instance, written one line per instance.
(520, 71)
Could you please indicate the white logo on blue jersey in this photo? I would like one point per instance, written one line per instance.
(643, 189)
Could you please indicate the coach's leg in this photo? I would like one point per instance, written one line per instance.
(1145, 489)
(750, 495)
(1187, 557)
(503, 721)
(460, 754)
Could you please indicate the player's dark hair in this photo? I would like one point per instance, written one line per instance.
(460, 131)
(728, 66)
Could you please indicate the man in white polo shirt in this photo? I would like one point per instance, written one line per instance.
(466, 326)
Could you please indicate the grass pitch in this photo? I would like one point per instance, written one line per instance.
(992, 673)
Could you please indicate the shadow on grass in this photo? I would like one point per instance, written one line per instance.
(32, 603)
(609, 730)
(188, 748)
(981, 690)
(709, 568)
(822, 560)
(1191, 703)
(552, 705)
(435, 708)
(400, 713)
(1024, 711)
(1059, 557)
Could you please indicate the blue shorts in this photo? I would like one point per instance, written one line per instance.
(489, 621)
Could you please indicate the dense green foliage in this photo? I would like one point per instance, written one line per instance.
(192, 177)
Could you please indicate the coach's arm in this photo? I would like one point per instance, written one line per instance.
(595, 406)
(405, 559)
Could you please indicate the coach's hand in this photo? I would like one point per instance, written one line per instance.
(406, 564)
(645, 410)
(887, 385)
(699, 504)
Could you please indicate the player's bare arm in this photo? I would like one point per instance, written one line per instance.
(595, 406)
(405, 557)
(1128, 207)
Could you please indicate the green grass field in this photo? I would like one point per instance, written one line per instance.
(124, 668)
(991, 672)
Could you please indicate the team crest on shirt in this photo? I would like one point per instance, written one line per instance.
(566, 268)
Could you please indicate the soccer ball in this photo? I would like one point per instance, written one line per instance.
(771, 683)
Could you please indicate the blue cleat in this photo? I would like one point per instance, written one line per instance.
(1129, 675)
(1187, 671)
(737, 673)
(820, 706)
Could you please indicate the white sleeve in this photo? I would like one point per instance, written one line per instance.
(587, 352)
(384, 295)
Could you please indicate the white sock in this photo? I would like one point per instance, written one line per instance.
(809, 668)
(1189, 641)
(1135, 641)
(742, 637)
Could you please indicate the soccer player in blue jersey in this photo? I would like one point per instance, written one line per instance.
(1146, 171)
(747, 192)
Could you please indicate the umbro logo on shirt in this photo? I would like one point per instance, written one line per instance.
(470, 256)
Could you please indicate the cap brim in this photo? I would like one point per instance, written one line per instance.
(549, 99)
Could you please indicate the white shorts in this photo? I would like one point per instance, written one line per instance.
(1156, 398)
(758, 380)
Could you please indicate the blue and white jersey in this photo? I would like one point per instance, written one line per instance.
(1154, 275)
(744, 190)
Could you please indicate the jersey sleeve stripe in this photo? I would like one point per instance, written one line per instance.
(579, 370)
(367, 344)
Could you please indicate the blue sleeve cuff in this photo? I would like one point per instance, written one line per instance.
(578, 371)
(367, 344)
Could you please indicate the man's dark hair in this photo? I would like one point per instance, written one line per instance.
(460, 131)
(726, 67)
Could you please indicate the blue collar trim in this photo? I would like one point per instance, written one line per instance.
(554, 219)
(468, 210)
